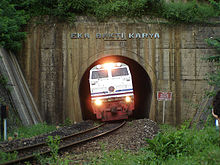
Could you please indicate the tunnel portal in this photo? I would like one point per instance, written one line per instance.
(141, 84)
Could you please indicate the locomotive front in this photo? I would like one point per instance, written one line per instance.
(111, 90)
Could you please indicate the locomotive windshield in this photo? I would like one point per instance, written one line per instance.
(119, 72)
(99, 74)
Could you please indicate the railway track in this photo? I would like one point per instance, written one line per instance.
(29, 152)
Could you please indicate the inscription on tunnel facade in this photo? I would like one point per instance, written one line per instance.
(116, 36)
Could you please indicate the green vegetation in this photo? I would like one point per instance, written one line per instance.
(67, 122)
(3, 81)
(214, 78)
(13, 120)
(4, 157)
(171, 146)
(190, 12)
(14, 14)
(30, 131)
(53, 143)
(104, 9)
(11, 23)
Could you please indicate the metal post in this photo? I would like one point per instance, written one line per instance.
(2, 123)
(164, 104)
(2, 127)
(4, 113)
(5, 129)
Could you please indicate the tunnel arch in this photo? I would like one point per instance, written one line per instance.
(142, 85)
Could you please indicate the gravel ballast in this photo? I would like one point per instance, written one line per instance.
(130, 137)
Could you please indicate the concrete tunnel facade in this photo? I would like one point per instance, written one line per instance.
(56, 57)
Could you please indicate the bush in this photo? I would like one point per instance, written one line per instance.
(171, 147)
(191, 12)
(183, 143)
(210, 155)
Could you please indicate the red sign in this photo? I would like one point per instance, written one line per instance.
(164, 96)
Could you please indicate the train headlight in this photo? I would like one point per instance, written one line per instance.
(108, 65)
(128, 99)
(98, 102)
(118, 64)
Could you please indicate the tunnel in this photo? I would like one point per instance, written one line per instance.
(141, 85)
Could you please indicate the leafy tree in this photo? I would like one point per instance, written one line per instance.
(11, 23)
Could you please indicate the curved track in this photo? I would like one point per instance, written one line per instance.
(28, 152)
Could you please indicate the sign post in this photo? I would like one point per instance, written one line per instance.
(2, 126)
(4, 114)
(164, 105)
(164, 96)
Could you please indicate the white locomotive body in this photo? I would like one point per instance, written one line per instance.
(111, 90)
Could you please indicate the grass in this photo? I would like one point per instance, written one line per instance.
(4, 157)
(170, 147)
(30, 131)
(26, 132)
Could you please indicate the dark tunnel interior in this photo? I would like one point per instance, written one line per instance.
(141, 85)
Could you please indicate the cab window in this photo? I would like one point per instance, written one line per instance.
(119, 72)
(99, 74)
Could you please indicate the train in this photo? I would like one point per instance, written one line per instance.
(111, 88)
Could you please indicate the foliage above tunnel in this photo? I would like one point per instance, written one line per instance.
(14, 14)
(103, 9)
(214, 76)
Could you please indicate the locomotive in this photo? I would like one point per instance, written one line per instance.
(111, 88)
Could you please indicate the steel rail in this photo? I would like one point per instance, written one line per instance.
(65, 137)
(67, 145)
(93, 137)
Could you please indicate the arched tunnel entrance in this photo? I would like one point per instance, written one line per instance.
(141, 84)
